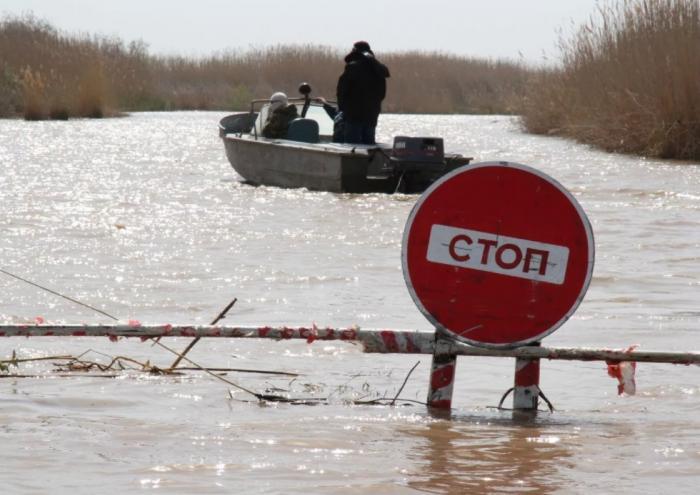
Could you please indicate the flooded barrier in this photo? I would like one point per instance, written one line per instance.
(495, 255)
(439, 344)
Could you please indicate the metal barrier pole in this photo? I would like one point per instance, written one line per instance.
(442, 373)
(526, 390)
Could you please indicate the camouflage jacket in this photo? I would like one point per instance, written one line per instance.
(277, 124)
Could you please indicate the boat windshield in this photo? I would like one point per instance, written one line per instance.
(315, 112)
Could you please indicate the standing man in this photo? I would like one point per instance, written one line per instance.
(361, 89)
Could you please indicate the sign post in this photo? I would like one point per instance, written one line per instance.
(526, 389)
(442, 373)
(498, 255)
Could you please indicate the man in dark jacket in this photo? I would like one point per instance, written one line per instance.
(361, 89)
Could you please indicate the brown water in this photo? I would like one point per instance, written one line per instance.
(144, 218)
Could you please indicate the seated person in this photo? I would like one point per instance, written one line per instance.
(337, 116)
(280, 114)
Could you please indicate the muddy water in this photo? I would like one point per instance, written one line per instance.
(143, 218)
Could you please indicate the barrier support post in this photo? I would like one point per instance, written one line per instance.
(442, 373)
(526, 389)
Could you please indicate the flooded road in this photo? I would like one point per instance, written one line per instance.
(143, 218)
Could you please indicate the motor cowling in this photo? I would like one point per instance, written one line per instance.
(418, 153)
(417, 162)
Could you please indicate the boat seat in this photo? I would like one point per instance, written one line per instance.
(304, 130)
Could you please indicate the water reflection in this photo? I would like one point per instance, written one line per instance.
(157, 227)
(488, 457)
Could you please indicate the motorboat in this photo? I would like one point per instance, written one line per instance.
(308, 158)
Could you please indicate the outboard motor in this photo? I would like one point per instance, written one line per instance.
(418, 161)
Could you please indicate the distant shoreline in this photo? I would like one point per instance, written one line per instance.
(53, 75)
(627, 83)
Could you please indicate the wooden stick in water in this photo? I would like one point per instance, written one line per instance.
(221, 316)
(393, 401)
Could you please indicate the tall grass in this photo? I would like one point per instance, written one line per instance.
(230, 80)
(630, 81)
(442, 83)
(46, 73)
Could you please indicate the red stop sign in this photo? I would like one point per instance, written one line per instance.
(498, 254)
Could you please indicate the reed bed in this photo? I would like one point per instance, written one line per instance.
(441, 83)
(45, 73)
(629, 81)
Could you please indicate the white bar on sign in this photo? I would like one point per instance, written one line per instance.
(488, 252)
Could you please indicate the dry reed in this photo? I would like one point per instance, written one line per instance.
(45, 73)
(630, 81)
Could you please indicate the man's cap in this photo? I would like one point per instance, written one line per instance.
(278, 97)
(362, 46)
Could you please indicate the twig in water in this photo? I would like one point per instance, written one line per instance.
(57, 294)
(241, 370)
(221, 316)
(13, 361)
(63, 375)
(219, 377)
(77, 364)
(382, 399)
(404, 384)
(147, 365)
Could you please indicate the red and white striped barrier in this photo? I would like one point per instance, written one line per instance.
(374, 340)
(443, 348)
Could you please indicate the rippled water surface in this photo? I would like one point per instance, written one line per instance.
(143, 218)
